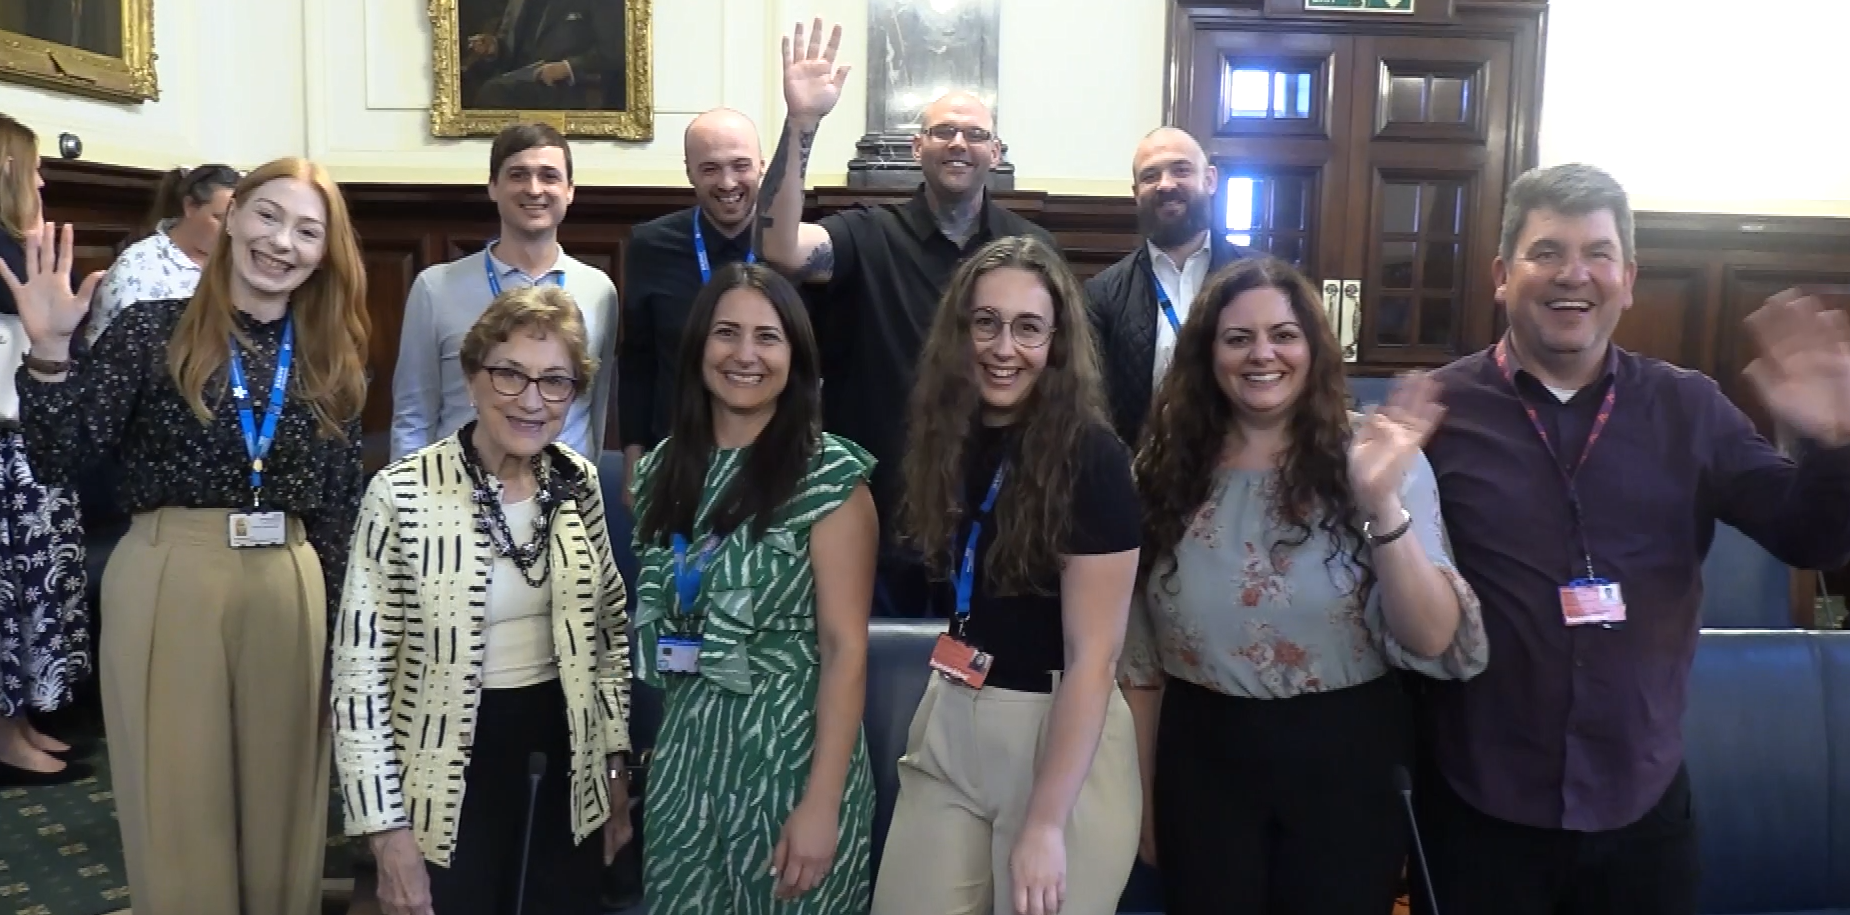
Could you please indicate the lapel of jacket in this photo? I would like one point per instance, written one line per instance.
(1142, 319)
(467, 572)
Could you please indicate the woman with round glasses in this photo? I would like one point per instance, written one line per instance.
(483, 628)
(1018, 790)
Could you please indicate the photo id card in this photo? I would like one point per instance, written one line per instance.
(1592, 600)
(258, 529)
(960, 663)
(675, 654)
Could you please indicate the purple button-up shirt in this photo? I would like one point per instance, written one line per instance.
(1580, 728)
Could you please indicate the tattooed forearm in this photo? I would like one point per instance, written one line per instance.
(775, 177)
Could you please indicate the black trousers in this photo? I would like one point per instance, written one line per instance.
(562, 878)
(1484, 864)
(1281, 806)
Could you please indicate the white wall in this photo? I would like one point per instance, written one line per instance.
(1704, 105)
(1703, 110)
(1071, 130)
(230, 91)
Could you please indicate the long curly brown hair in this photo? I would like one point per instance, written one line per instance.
(1034, 511)
(1192, 420)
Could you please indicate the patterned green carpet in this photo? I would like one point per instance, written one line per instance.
(60, 852)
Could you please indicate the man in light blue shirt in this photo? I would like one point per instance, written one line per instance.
(531, 184)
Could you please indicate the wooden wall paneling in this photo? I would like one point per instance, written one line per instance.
(1673, 313)
(392, 260)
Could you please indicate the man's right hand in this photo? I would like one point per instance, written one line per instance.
(404, 884)
(48, 308)
(812, 82)
(483, 45)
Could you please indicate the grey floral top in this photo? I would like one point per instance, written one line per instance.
(1238, 614)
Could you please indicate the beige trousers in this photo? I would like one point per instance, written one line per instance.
(964, 785)
(211, 675)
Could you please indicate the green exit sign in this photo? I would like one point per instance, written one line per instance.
(1360, 6)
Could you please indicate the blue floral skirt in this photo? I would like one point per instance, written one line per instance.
(44, 618)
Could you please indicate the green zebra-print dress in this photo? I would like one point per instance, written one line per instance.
(733, 756)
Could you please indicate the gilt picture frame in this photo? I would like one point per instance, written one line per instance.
(98, 48)
(582, 66)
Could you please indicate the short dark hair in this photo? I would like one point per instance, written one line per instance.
(522, 137)
(1571, 190)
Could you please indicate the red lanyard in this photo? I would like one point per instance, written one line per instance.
(1599, 422)
(1568, 474)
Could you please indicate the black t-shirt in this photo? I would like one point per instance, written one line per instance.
(1024, 632)
(892, 264)
(661, 277)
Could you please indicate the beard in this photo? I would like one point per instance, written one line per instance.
(1168, 232)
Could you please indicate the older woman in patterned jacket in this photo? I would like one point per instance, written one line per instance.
(482, 635)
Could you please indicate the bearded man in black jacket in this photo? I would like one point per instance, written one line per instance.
(1138, 303)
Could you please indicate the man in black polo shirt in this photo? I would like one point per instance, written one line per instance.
(671, 258)
(885, 268)
(1139, 303)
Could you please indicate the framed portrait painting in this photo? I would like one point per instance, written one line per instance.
(99, 48)
(582, 66)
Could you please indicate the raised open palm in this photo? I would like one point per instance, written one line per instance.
(812, 82)
(1387, 440)
(48, 307)
(1802, 371)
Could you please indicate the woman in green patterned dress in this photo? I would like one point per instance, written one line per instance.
(756, 535)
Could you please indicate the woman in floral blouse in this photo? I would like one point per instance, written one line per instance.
(1293, 555)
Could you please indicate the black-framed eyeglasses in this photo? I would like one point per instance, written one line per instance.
(509, 382)
(1031, 331)
(945, 133)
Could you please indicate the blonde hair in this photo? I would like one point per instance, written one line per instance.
(331, 322)
(19, 187)
(543, 310)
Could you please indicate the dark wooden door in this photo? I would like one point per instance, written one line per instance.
(1275, 122)
(1371, 152)
(1429, 121)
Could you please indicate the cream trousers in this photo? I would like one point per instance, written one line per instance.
(211, 675)
(964, 785)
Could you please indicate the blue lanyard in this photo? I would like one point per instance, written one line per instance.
(686, 579)
(494, 282)
(700, 252)
(1162, 299)
(966, 573)
(256, 443)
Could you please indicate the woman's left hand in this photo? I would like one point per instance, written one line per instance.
(1037, 869)
(1388, 438)
(617, 829)
(806, 850)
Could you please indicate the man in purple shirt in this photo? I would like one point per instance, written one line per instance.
(1581, 485)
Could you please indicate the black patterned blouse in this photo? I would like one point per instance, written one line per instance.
(121, 398)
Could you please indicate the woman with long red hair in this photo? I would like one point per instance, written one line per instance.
(235, 416)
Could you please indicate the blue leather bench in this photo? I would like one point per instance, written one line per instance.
(1768, 744)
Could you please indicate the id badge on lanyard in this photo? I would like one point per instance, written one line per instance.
(680, 654)
(257, 528)
(1591, 600)
(954, 658)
